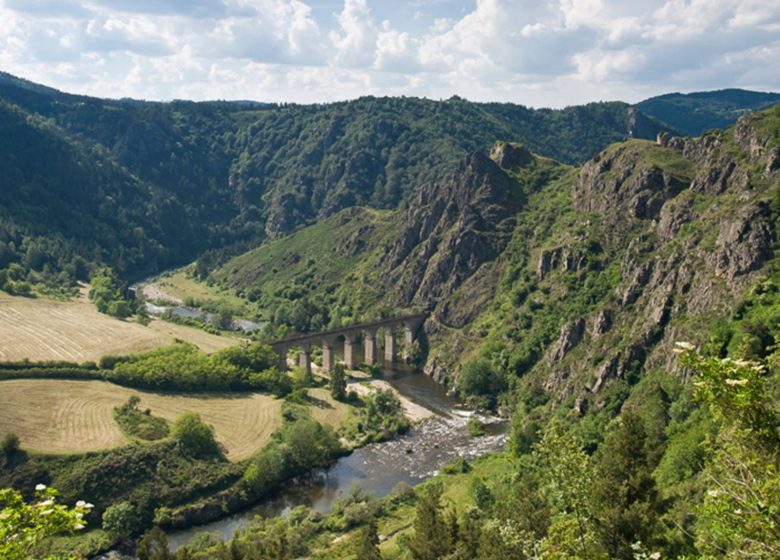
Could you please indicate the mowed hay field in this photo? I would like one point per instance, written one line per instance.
(43, 329)
(326, 409)
(55, 416)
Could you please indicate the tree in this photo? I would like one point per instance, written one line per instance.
(479, 379)
(194, 435)
(338, 383)
(431, 539)
(625, 500)
(154, 546)
(120, 520)
(367, 545)
(23, 525)
(9, 445)
(739, 517)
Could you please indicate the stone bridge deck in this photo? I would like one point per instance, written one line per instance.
(368, 331)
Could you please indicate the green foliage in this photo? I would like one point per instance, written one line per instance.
(431, 539)
(194, 435)
(475, 427)
(140, 424)
(108, 295)
(367, 542)
(121, 520)
(153, 546)
(739, 517)
(183, 367)
(24, 525)
(381, 417)
(694, 113)
(353, 510)
(479, 381)
(338, 382)
(9, 445)
(626, 500)
(299, 446)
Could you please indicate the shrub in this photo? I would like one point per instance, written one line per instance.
(194, 435)
(9, 444)
(121, 520)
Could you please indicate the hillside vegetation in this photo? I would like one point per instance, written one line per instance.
(142, 186)
(558, 295)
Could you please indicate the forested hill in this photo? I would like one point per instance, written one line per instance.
(693, 113)
(144, 185)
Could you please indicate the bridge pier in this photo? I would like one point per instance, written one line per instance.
(369, 346)
(349, 350)
(410, 328)
(304, 360)
(327, 354)
(282, 351)
(390, 345)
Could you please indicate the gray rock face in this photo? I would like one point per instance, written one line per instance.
(609, 184)
(601, 323)
(743, 244)
(569, 337)
(451, 230)
(511, 156)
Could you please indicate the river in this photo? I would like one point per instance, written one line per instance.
(377, 468)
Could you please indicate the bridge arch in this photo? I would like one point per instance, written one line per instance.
(352, 334)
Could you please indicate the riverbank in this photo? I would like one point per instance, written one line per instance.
(434, 441)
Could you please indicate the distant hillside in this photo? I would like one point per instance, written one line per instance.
(693, 113)
(142, 186)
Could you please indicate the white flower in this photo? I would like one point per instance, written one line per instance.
(88, 506)
(47, 503)
(81, 503)
(655, 556)
(681, 347)
(739, 382)
(47, 511)
(712, 493)
(40, 487)
(78, 526)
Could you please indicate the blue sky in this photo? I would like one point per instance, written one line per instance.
(539, 53)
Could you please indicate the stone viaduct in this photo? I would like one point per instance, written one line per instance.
(351, 334)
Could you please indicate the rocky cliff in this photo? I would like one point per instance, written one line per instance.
(572, 279)
(653, 243)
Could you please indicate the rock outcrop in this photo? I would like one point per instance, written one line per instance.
(451, 229)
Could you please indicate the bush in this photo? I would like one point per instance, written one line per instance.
(194, 435)
(475, 427)
(9, 444)
(121, 520)
(139, 424)
(478, 379)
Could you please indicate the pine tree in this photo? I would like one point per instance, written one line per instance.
(154, 546)
(625, 497)
(431, 539)
(367, 546)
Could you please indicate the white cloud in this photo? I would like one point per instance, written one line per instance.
(553, 52)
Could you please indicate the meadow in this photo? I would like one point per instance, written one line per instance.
(40, 329)
(56, 416)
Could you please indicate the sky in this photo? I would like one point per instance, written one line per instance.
(546, 53)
